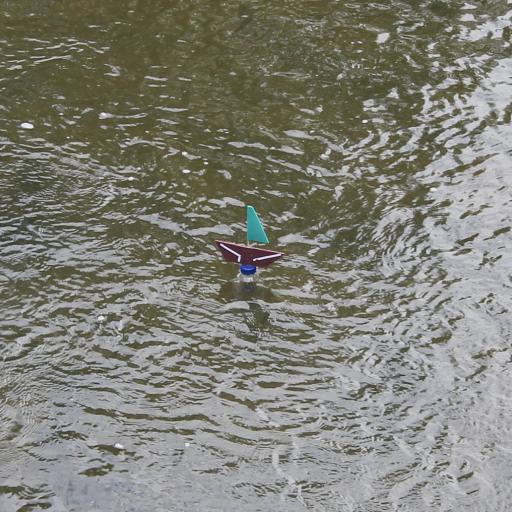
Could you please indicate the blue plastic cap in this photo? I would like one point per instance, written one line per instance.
(248, 270)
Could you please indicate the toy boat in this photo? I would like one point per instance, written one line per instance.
(246, 255)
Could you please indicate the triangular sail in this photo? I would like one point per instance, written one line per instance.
(255, 231)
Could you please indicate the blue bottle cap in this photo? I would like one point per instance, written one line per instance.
(248, 270)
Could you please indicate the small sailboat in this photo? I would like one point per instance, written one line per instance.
(247, 256)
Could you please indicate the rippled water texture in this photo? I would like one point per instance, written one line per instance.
(371, 371)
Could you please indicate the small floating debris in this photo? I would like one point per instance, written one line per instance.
(185, 171)
(382, 37)
(119, 446)
(27, 126)
(100, 318)
(104, 115)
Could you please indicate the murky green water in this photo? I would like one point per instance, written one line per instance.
(371, 371)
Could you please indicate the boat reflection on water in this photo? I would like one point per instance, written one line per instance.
(249, 301)
(246, 288)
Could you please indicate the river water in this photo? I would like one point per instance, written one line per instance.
(371, 369)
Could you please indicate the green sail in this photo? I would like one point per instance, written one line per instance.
(255, 231)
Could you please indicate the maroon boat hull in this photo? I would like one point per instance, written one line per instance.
(246, 255)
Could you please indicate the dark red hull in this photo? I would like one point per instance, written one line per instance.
(245, 255)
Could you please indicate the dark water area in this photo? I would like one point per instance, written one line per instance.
(371, 369)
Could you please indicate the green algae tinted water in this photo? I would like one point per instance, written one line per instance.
(370, 370)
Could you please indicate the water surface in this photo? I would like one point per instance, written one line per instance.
(370, 372)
